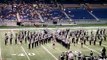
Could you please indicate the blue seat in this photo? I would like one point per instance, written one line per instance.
(100, 13)
(56, 13)
(78, 14)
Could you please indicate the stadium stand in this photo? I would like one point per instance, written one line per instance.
(59, 12)
(56, 13)
(101, 13)
(78, 14)
(26, 12)
(73, 43)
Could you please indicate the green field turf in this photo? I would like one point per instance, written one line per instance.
(54, 26)
(43, 52)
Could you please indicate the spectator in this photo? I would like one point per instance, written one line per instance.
(70, 56)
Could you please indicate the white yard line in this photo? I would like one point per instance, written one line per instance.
(102, 45)
(0, 53)
(89, 48)
(55, 28)
(31, 28)
(50, 46)
(49, 52)
(22, 47)
(25, 53)
(92, 49)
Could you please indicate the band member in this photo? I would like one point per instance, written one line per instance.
(87, 37)
(6, 38)
(39, 39)
(29, 44)
(84, 40)
(90, 42)
(77, 39)
(53, 41)
(94, 42)
(104, 33)
(36, 42)
(81, 43)
(16, 38)
(74, 42)
(53, 44)
(70, 56)
(19, 38)
(42, 40)
(11, 38)
(91, 53)
(73, 39)
(105, 37)
(68, 44)
(32, 42)
(104, 52)
(25, 38)
(100, 42)
(62, 56)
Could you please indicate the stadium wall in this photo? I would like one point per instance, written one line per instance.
(61, 22)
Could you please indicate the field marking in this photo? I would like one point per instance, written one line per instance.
(89, 48)
(13, 54)
(32, 28)
(21, 47)
(85, 46)
(49, 52)
(102, 44)
(25, 53)
(0, 52)
(92, 49)
(50, 46)
(21, 54)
